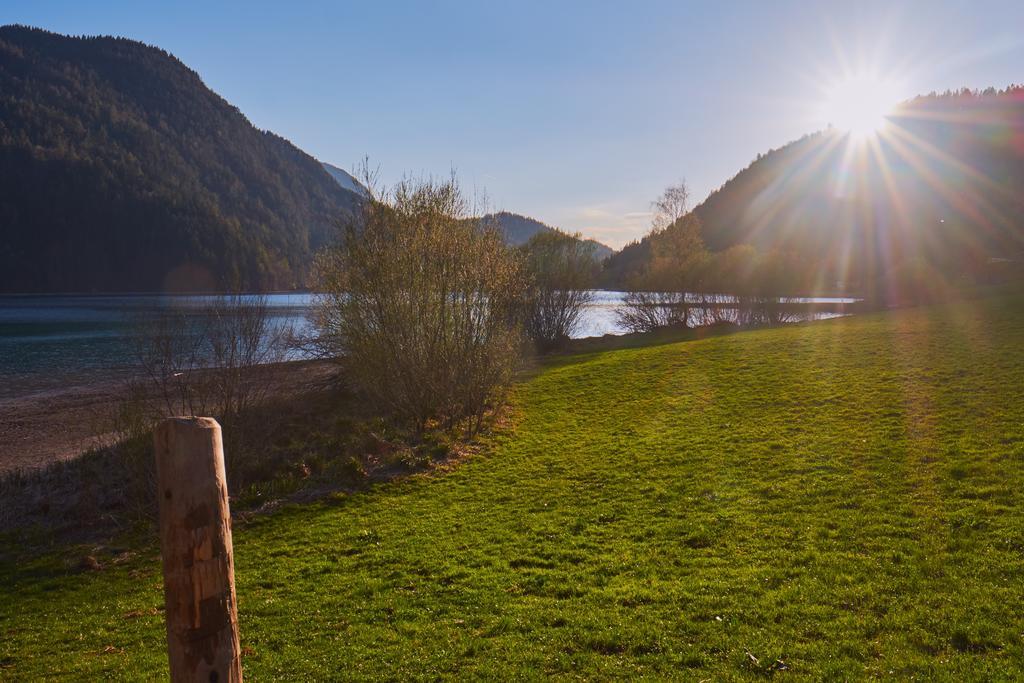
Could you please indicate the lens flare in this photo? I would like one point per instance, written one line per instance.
(859, 104)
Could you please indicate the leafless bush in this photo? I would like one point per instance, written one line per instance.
(560, 271)
(659, 293)
(198, 357)
(167, 352)
(648, 311)
(770, 312)
(419, 304)
(203, 356)
(241, 336)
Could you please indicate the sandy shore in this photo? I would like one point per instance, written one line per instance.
(60, 424)
(53, 425)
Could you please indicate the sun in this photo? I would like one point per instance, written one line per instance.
(860, 104)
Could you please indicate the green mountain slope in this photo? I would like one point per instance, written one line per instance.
(122, 171)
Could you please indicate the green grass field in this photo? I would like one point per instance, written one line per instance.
(837, 500)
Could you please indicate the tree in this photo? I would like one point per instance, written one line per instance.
(658, 294)
(673, 204)
(675, 252)
(560, 272)
(420, 306)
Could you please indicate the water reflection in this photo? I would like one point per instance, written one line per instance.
(48, 342)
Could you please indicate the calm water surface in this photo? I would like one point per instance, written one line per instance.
(52, 342)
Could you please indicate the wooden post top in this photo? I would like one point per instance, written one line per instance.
(198, 561)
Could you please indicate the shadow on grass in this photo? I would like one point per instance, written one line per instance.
(296, 449)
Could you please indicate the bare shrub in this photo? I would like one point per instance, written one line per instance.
(419, 304)
(648, 311)
(240, 336)
(756, 282)
(659, 294)
(198, 357)
(201, 356)
(560, 271)
(167, 350)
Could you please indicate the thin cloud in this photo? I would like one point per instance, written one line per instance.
(609, 224)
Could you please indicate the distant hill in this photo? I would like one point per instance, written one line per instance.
(122, 171)
(944, 183)
(519, 229)
(346, 179)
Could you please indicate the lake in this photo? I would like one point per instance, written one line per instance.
(52, 342)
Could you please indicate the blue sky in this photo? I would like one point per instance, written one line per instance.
(577, 113)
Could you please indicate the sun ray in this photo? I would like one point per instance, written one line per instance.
(765, 206)
(859, 103)
(911, 149)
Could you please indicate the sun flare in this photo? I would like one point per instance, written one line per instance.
(860, 104)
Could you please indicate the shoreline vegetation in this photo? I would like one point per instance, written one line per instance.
(73, 468)
(91, 347)
(52, 425)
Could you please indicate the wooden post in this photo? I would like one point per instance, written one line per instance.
(195, 540)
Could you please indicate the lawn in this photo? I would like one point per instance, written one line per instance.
(839, 500)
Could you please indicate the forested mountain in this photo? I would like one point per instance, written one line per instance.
(519, 229)
(942, 187)
(121, 171)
